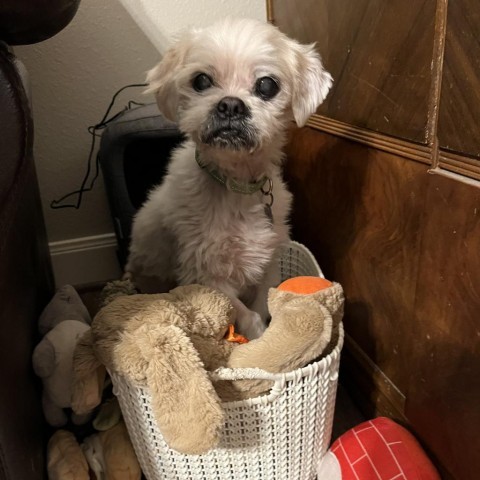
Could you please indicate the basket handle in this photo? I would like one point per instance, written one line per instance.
(224, 373)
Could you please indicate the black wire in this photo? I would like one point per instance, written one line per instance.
(92, 130)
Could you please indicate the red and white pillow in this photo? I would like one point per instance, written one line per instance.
(379, 449)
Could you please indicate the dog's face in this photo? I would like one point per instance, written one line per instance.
(237, 84)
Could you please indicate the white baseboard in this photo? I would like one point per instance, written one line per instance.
(85, 260)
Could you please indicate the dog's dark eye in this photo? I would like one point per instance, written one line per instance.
(201, 82)
(266, 88)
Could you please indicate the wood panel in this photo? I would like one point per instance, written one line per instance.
(380, 56)
(405, 246)
(461, 164)
(358, 210)
(404, 243)
(443, 398)
(459, 114)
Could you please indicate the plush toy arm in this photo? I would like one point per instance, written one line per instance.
(88, 377)
(65, 458)
(294, 337)
(54, 415)
(80, 419)
(43, 358)
(184, 402)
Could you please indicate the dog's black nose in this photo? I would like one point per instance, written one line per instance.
(231, 107)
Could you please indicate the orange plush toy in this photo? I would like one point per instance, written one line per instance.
(306, 313)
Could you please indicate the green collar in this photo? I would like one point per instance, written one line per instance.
(247, 188)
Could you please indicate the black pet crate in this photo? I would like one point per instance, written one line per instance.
(134, 153)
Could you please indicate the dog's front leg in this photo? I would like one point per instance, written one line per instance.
(249, 323)
(150, 264)
(271, 279)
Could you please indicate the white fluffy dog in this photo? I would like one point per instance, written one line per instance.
(221, 212)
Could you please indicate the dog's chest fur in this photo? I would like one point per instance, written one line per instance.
(219, 235)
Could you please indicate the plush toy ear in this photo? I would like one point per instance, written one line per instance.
(184, 402)
(311, 85)
(65, 304)
(162, 78)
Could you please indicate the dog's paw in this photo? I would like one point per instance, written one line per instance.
(250, 324)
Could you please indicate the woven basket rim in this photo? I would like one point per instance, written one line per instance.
(300, 246)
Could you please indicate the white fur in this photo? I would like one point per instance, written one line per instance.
(192, 229)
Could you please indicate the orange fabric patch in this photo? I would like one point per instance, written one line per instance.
(305, 285)
(231, 336)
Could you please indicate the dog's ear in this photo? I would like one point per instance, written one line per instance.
(162, 78)
(311, 83)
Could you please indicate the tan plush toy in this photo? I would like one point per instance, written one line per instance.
(306, 313)
(169, 343)
(110, 454)
(166, 342)
(65, 458)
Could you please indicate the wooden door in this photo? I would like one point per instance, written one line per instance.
(387, 195)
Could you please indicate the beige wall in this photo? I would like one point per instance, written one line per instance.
(161, 19)
(73, 77)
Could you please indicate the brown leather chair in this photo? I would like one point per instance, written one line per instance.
(26, 281)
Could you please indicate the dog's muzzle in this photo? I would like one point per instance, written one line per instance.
(229, 126)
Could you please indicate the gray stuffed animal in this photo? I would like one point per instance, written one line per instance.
(64, 320)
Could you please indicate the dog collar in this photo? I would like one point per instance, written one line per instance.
(246, 188)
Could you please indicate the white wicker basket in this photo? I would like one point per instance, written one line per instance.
(278, 436)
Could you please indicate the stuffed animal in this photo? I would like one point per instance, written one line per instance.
(108, 415)
(110, 454)
(166, 342)
(379, 449)
(88, 377)
(66, 304)
(89, 374)
(65, 458)
(305, 316)
(64, 320)
(169, 342)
